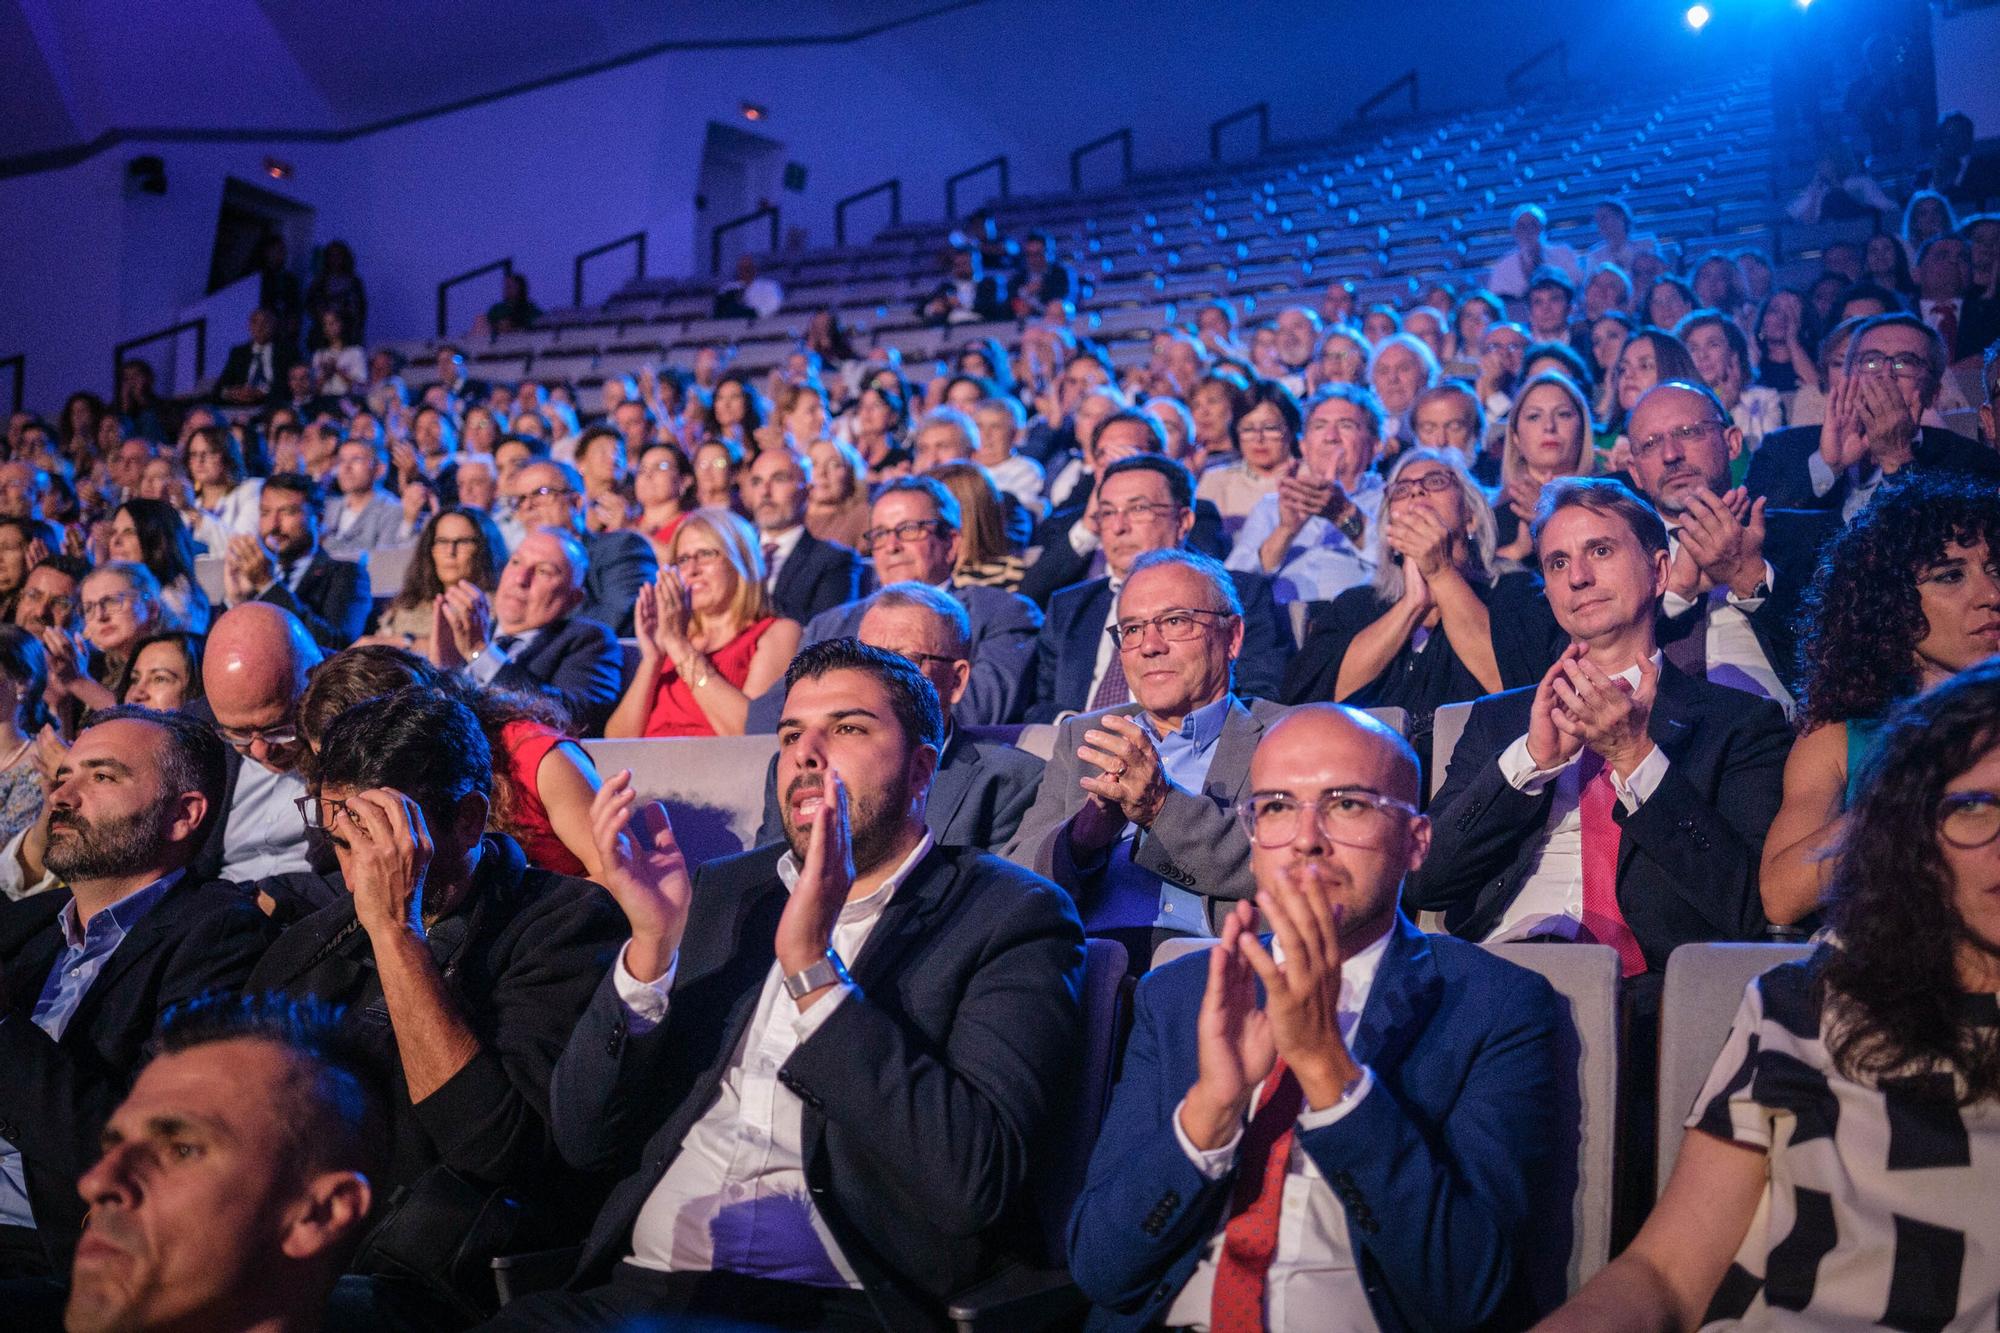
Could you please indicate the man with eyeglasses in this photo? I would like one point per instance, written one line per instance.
(912, 537)
(550, 494)
(127, 930)
(1737, 568)
(981, 788)
(1133, 816)
(1874, 427)
(1311, 534)
(1141, 503)
(1346, 1123)
(530, 635)
(803, 574)
(284, 565)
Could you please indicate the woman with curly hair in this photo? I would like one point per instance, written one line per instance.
(543, 790)
(457, 545)
(1839, 1168)
(1905, 597)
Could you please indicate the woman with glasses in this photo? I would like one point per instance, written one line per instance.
(717, 463)
(150, 533)
(1548, 436)
(1649, 357)
(1839, 1169)
(121, 606)
(1340, 358)
(1904, 598)
(663, 485)
(226, 497)
(709, 641)
(1267, 440)
(457, 545)
(1437, 625)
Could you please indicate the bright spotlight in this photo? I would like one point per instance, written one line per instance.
(1698, 16)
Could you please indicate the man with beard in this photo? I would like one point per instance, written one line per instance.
(896, 1110)
(284, 565)
(87, 969)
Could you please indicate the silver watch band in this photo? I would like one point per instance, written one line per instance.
(828, 971)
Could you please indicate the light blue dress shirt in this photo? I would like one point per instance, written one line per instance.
(1321, 563)
(1136, 896)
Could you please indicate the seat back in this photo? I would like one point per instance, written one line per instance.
(1704, 986)
(713, 786)
(1038, 739)
(1107, 999)
(1585, 977)
(208, 573)
(1447, 725)
(1396, 719)
(387, 567)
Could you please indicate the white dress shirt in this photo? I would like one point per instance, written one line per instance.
(786, 542)
(1551, 898)
(735, 1199)
(1734, 653)
(265, 834)
(1312, 1282)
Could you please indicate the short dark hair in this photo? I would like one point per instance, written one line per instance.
(942, 500)
(335, 1110)
(911, 694)
(365, 671)
(192, 760)
(1739, 345)
(1600, 495)
(1550, 276)
(299, 484)
(1156, 434)
(417, 741)
(1572, 362)
(1180, 482)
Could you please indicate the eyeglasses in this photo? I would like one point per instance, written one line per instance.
(707, 555)
(543, 492)
(1685, 436)
(1434, 482)
(1139, 511)
(925, 659)
(105, 606)
(1174, 627)
(453, 544)
(1969, 819)
(319, 813)
(914, 530)
(285, 733)
(1908, 366)
(1279, 431)
(1350, 816)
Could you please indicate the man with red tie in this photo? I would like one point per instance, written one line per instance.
(1346, 1125)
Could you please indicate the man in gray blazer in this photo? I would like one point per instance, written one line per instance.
(363, 516)
(1136, 816)
(981, 788)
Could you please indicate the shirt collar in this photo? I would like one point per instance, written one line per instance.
(1357, 972)
(860, 909)
(1630, 675)
(1200, 727)
(785, 539)
(121, 916)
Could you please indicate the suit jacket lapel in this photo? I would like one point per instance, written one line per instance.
(29, 948)
(1092, 616)
(1229, 771)
(906, 918)
(952, 783)
(1406, 991)
(1671, 727)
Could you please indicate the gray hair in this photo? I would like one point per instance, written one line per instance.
(1412, 343)
(953, 419)
(922, 597)
(573, 550)
(1482, 540)
(1208, 568)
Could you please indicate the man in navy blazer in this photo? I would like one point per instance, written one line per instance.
(804, 575)
(531, 636)
(981, 787)
(892, 1021)
(1143, 502)
(284, 565)
(1416, 1075)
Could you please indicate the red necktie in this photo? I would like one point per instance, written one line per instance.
(1602, 920)
(1250, 1240)
(1947, 327)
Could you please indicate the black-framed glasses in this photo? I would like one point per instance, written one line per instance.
(1351, 816)
(914, 530)
(1969, 820)
(454, 544)
(924, 659)
(1175, 626)
(1906, 366)
(1139, 511)
(108, 605)
(318, 812)
(1685, 436)
(1437, 483)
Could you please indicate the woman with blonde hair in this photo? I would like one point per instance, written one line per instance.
(837, 510)
(1548, 436)
(986, 556)
(709, 640)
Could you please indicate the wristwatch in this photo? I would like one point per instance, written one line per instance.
(1353, 523)
(828, 971)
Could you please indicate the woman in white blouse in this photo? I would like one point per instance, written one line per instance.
(339, 367)
(226, 498)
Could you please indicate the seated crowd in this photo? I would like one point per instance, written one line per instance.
(336, 970)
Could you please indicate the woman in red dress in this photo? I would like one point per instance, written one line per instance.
(709, 641)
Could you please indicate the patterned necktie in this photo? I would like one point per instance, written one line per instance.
(505, 643)
(770, 563)
(1602, 921)
(1112, 689)
(1250, 1240)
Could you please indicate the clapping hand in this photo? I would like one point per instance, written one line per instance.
(247, 568)
(1130, 786)
(805, 930)
(461, 625)
(1234, 1048)
(1843, 441)
(1302, 994)
(1421, 538)
(1591, 709)
(1724, 537)
(644, 871)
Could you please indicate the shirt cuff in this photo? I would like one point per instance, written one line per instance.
(1082, 540)
(1310, 1119)
(1752, 603)
(1821, 475)
(645, 1001)
(1675, 605)
(1636, 790)
(486, 666)
(1518, 768)
(811, 1020)
(1213, 1163)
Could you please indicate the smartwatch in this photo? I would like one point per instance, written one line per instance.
(828, 971)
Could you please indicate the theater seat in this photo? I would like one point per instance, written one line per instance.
(713, 786)
(1447, 725)
(387, 567)
(1704, 986)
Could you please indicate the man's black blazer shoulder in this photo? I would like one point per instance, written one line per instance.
(577, 660)
(332, 602)
(816, 576)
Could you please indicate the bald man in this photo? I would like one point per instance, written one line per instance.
(253, 674)
(1415, 1073)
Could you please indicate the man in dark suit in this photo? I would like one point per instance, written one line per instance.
(1136, 812)
(803, 574)
(550, 495)
(463, 970)
(1068, 546)
(914, 526)
(1737, 571)
(89, 969)
(1142, 502)
(981, 788)
(284, 566)
(966, 295)
(1380, 1121)
(890, 1020)
(1040, 279)
(255, 372)
(1618, 800)
(1895, 365)
(1965, 323)
(530, 635)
